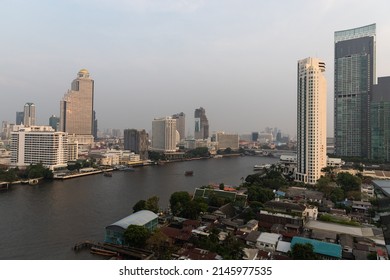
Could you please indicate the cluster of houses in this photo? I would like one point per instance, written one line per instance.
(293, 217)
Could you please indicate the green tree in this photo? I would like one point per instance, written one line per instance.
(152, 204)
(136, 236)
(178, 201)
(348, 182)
(337, 194)
(140, 205)
(303, 252)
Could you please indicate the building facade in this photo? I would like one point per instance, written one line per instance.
(311, 120)
(76, 107)
(180, 124)
(201, 124)
(39, 144)
(137, 141)
(354, 75)
(54, 122)
(380, 120)
(29, 114)
(19, 118)
(164, 137)
(226, 140)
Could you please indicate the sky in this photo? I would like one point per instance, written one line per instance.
(154, 58)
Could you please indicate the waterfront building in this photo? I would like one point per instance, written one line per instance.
(115, 232)
(354, 75)
(380, 120)
(29, 114)
(54, 122)
(201, 124)
(39, 144)
(137, 141)
(226, 140)
(180, 124)
(76, 108)
(19, 118)
(164, 137)
(311, 120)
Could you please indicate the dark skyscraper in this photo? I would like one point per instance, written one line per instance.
(54, 122)
(180, 124)
(137, 141)
(354, 75)
(19, 118)
(380, 120)
(201, 124)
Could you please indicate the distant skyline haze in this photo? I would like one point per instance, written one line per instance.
(151, 59)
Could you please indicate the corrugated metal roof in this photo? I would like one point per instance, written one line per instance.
(323, 248)
(139, 218)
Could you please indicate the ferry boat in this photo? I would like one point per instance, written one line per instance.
(189, 173)
(261, 167)
(107, 174)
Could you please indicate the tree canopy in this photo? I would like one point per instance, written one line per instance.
(303, 252)
(136, 236)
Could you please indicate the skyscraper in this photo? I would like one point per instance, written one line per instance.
(19, 118)
(180, 124)
(76, 107)
(354, 75)
(164, 136)
(54, 122)
(201, 124)
(380, 120)
(29, 114)
(311, 120)
(137, 141)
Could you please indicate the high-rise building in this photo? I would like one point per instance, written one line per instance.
(311, 120)
(180, 124)
(226, 140)
(255, 136)
(19, 118)
(137, 141)
(54, 122)
(354, 75)
(76, 107)
(380, 120)
(164, 134)
(201, 124)
(29, 114)
(39, 144)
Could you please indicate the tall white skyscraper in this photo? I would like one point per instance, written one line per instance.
(164, 134)
(29, 114)
(311, 120)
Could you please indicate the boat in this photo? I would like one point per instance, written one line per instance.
(259, 167)
(189, 173)
(33, 181)
(127, 169)
(107, 174)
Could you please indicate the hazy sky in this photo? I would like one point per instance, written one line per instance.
(153, 58)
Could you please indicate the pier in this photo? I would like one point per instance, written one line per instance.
(111, 250)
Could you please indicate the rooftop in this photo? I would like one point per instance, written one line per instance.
(139, 218)
(323, 248)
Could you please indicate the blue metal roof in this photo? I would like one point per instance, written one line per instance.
(323, 248)
(139, 218)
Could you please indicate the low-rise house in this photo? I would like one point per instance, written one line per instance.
(250, 226)
(268, 241)
(307, 212)
(251, 238)
(196, 254)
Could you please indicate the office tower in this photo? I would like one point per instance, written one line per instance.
(255, 136)
(54, 122)
(311, 120)
(164, 135)
(137, 141)
(19, 118)
(354, 75)
(380, 120)
(29, 114)
(226, 140)
(201, 124)
(39, 144)
(76, 108)
(95, 126)
(180, 124)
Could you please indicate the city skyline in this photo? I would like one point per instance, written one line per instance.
(162, 58)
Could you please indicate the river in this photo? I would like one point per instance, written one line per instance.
(44, 221)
